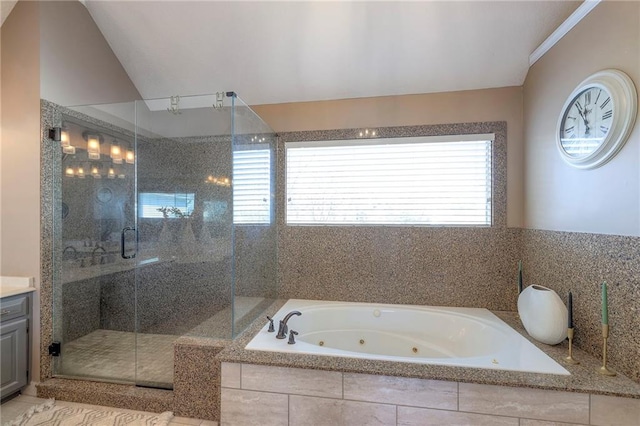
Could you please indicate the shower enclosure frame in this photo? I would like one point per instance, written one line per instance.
(51, 231)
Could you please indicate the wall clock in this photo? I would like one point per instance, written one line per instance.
(104, 195)
(597, 119)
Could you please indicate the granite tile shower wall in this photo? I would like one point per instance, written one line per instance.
(177, 296)
(580, 262)
(453, 266)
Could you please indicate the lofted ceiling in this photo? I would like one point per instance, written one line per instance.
(6, 6)
(274, 52)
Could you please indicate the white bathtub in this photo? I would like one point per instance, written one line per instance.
(465, 337)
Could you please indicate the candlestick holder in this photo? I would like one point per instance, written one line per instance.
(604, 370)
(569, 359)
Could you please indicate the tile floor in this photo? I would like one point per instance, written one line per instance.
(18, 405)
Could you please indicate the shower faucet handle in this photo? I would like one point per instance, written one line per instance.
(292, 337)
(271, 328)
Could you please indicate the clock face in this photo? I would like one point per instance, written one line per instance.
(586, 122)
(104, 195)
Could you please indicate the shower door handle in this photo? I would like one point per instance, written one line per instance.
(122, 243)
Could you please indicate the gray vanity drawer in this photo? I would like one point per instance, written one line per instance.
(14, 307)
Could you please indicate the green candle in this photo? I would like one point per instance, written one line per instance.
(605, 308)
(519, 276)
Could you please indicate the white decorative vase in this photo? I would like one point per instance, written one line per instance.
(165, 240)
(188, 239)
(205, 238)
(543, 314)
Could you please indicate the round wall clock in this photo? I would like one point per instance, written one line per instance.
(597, 119)
(104, 195)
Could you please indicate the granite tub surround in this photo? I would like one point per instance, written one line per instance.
(580, 262)
(417, 265)
(583, 378)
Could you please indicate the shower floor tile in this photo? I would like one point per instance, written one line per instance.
(111, 355)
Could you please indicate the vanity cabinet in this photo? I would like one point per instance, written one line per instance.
(15, 316)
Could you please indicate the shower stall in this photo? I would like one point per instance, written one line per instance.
(164, 227)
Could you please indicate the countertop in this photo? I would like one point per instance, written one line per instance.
(583, 378)
(10, 286)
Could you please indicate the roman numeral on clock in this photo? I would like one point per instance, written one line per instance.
(604, 129)
(569, 129)
(598, 97)
(605, 103)
(607, 115)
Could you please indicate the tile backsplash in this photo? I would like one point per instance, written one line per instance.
(468, 267)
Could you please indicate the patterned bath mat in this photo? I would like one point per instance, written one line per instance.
(50, 414)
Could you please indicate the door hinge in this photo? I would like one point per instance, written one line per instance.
(54, 349)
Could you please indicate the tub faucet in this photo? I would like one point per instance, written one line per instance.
(73, 249)
(282, 331)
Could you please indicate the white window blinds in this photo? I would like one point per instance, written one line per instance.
(151, 202)
(398, 181)
(251, 186)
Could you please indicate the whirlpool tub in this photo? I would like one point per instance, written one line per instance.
(465, 337)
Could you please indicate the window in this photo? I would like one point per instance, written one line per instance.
(151, 202)
(251, 185)
(395, 181)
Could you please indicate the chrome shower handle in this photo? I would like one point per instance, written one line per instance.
(122, 245)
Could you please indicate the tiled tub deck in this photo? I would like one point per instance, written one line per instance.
(267, 395)
(266, 388)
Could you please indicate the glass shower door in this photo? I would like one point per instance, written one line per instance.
(184, 222)
(94, 285)
(254, 224)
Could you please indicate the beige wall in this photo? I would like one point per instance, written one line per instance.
(20, 147)
(504, 104)
(1, 142)
(78, 66)
(558, 197)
